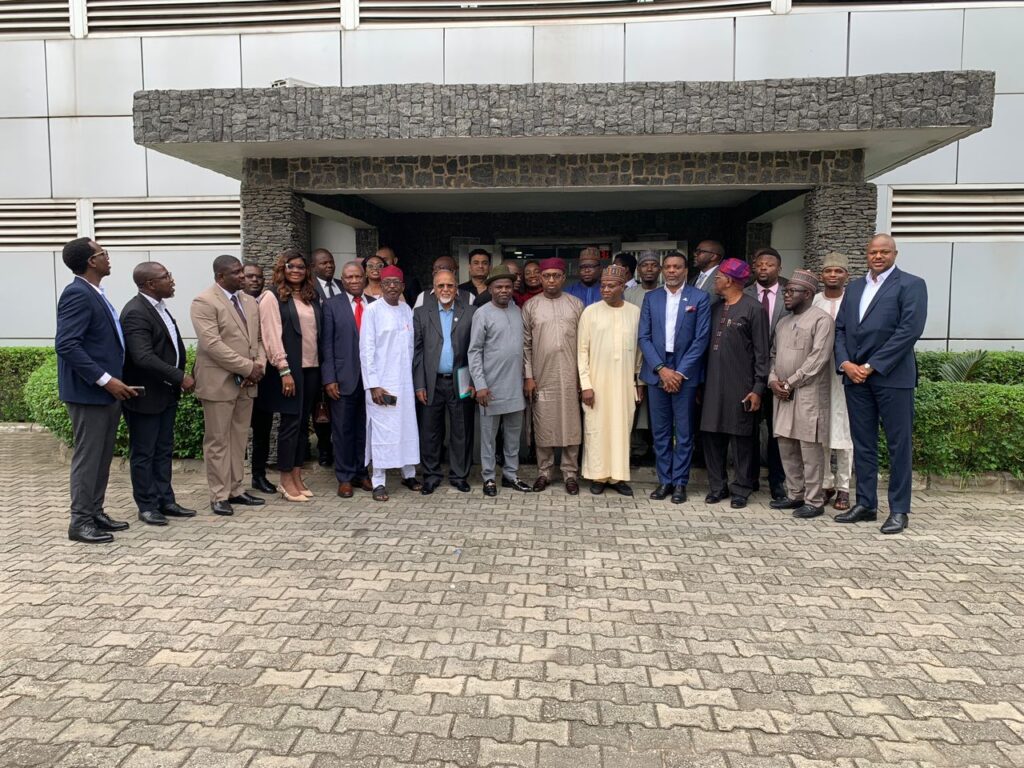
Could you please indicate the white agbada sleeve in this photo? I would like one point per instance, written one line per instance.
(368, 350)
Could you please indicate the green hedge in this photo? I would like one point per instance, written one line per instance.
(998, 367)
(47, 410)
(16, 364)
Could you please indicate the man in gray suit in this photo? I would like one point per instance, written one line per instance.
(767, 289)
(441, 326)
(706, 257)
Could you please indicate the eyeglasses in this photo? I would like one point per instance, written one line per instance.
(101, 252)
(710, 253)
(164, 276)
(391, 281)
(375, 265)
(296, 267)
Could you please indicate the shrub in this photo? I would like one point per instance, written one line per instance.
(996, 368)
(47, 410)
(16, 364)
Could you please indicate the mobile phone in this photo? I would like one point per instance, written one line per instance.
(139, 391)
(390, 400)
(747, 405)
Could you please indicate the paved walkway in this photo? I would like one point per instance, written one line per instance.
(529, 630)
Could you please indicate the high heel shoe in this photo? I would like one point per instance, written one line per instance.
(307, 493)
(288, 497)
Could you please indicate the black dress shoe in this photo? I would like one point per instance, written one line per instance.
(807, 511)
(714, 498)
(222, 508)
(152, 517)
(460, 485)
(778, 492)
(325, 460)
(858, 514)
(104, 522)
(429, 487)
(490, 488)
(247, 500)
(88, 533)
(679, 495)
(597, 488)
(738, 502)
(786, 503)
(176, 510)
(896, 522)
(261, 484)
(663, 490)
(516, 484)
(622, 488)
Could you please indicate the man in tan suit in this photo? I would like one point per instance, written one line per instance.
(230, 361)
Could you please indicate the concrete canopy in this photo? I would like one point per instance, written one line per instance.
(893, 118)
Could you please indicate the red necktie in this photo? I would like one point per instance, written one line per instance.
(359, 312)
(764, 303)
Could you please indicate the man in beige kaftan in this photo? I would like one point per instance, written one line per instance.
(609, 362)
(800, 379)
(551, 376)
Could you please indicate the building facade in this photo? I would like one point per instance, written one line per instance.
(529, 127)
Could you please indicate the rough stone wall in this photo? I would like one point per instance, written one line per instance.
(839, 217)
(426, 111)
(342, 174)
(273, 218)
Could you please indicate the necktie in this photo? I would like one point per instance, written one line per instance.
(764, 303)
(238, 309)
(330, 289)
(359, 312)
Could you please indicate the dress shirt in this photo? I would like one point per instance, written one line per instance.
(671, 315)
(102, 380)
(330, 289)
(161, 309)
(871, 286)
(773, 293)
(447, 362)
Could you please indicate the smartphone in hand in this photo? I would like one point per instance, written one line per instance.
(139, 391)
(390, 399)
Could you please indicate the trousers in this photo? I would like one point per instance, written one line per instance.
(570, 464)
(716, 457)
(804, 470)
(512, 424)
(95, 427)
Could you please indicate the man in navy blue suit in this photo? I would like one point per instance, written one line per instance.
(674, 330)
(90, 359)
(881, 318)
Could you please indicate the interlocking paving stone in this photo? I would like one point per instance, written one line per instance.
(531, 630)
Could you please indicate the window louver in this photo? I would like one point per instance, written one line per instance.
(453, 11)
(35, 18)
(167, 222)
(958, 214)
(166, 15)
(37, 224)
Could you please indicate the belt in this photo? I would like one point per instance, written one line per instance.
(444, 376)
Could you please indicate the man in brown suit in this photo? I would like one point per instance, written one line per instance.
(230, 361)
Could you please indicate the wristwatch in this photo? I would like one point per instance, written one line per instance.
(867, 366)
(659, 367)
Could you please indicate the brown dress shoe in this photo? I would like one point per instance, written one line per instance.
(366, 485)
(572, 487)
(345, 490)
(540, 484)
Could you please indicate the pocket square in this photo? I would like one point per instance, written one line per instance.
(691, 308)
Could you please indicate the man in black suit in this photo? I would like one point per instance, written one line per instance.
(155, 360)
(767, 289)
(881, 318)
(342, 378)
(441, 328)
(327, 286)
(707, 256)
(90, 360)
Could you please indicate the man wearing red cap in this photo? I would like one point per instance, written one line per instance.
(737, 374)
(551, 375)
(386, 341)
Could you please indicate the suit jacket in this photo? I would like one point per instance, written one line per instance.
(150, 361)
(709, 284)
(87, 345)
(226, 347)
(779, 311)
(885, 337)
(338, 285)
(339, 345)
(693, 329)
(428, 340)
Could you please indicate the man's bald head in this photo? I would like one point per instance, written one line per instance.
(146, 271)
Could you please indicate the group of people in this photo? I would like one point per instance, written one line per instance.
(399, 377)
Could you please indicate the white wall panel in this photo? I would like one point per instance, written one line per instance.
(930, 345)
(311, 56)
(992, 40)
(169, 176)
(29, 314)
(796, 45)
(995, 345)
(488, 55)
(698, 49)
(211, 61)
(995, 155)
(938, 167)
(788, 240)
(22, 79)
(371, 56)
(976, 268)
(337, 237)
(905, 41)
(93, 77)
(193, 273)
(24, 158)
(930, 262)
(583, 53)
(96, 157)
